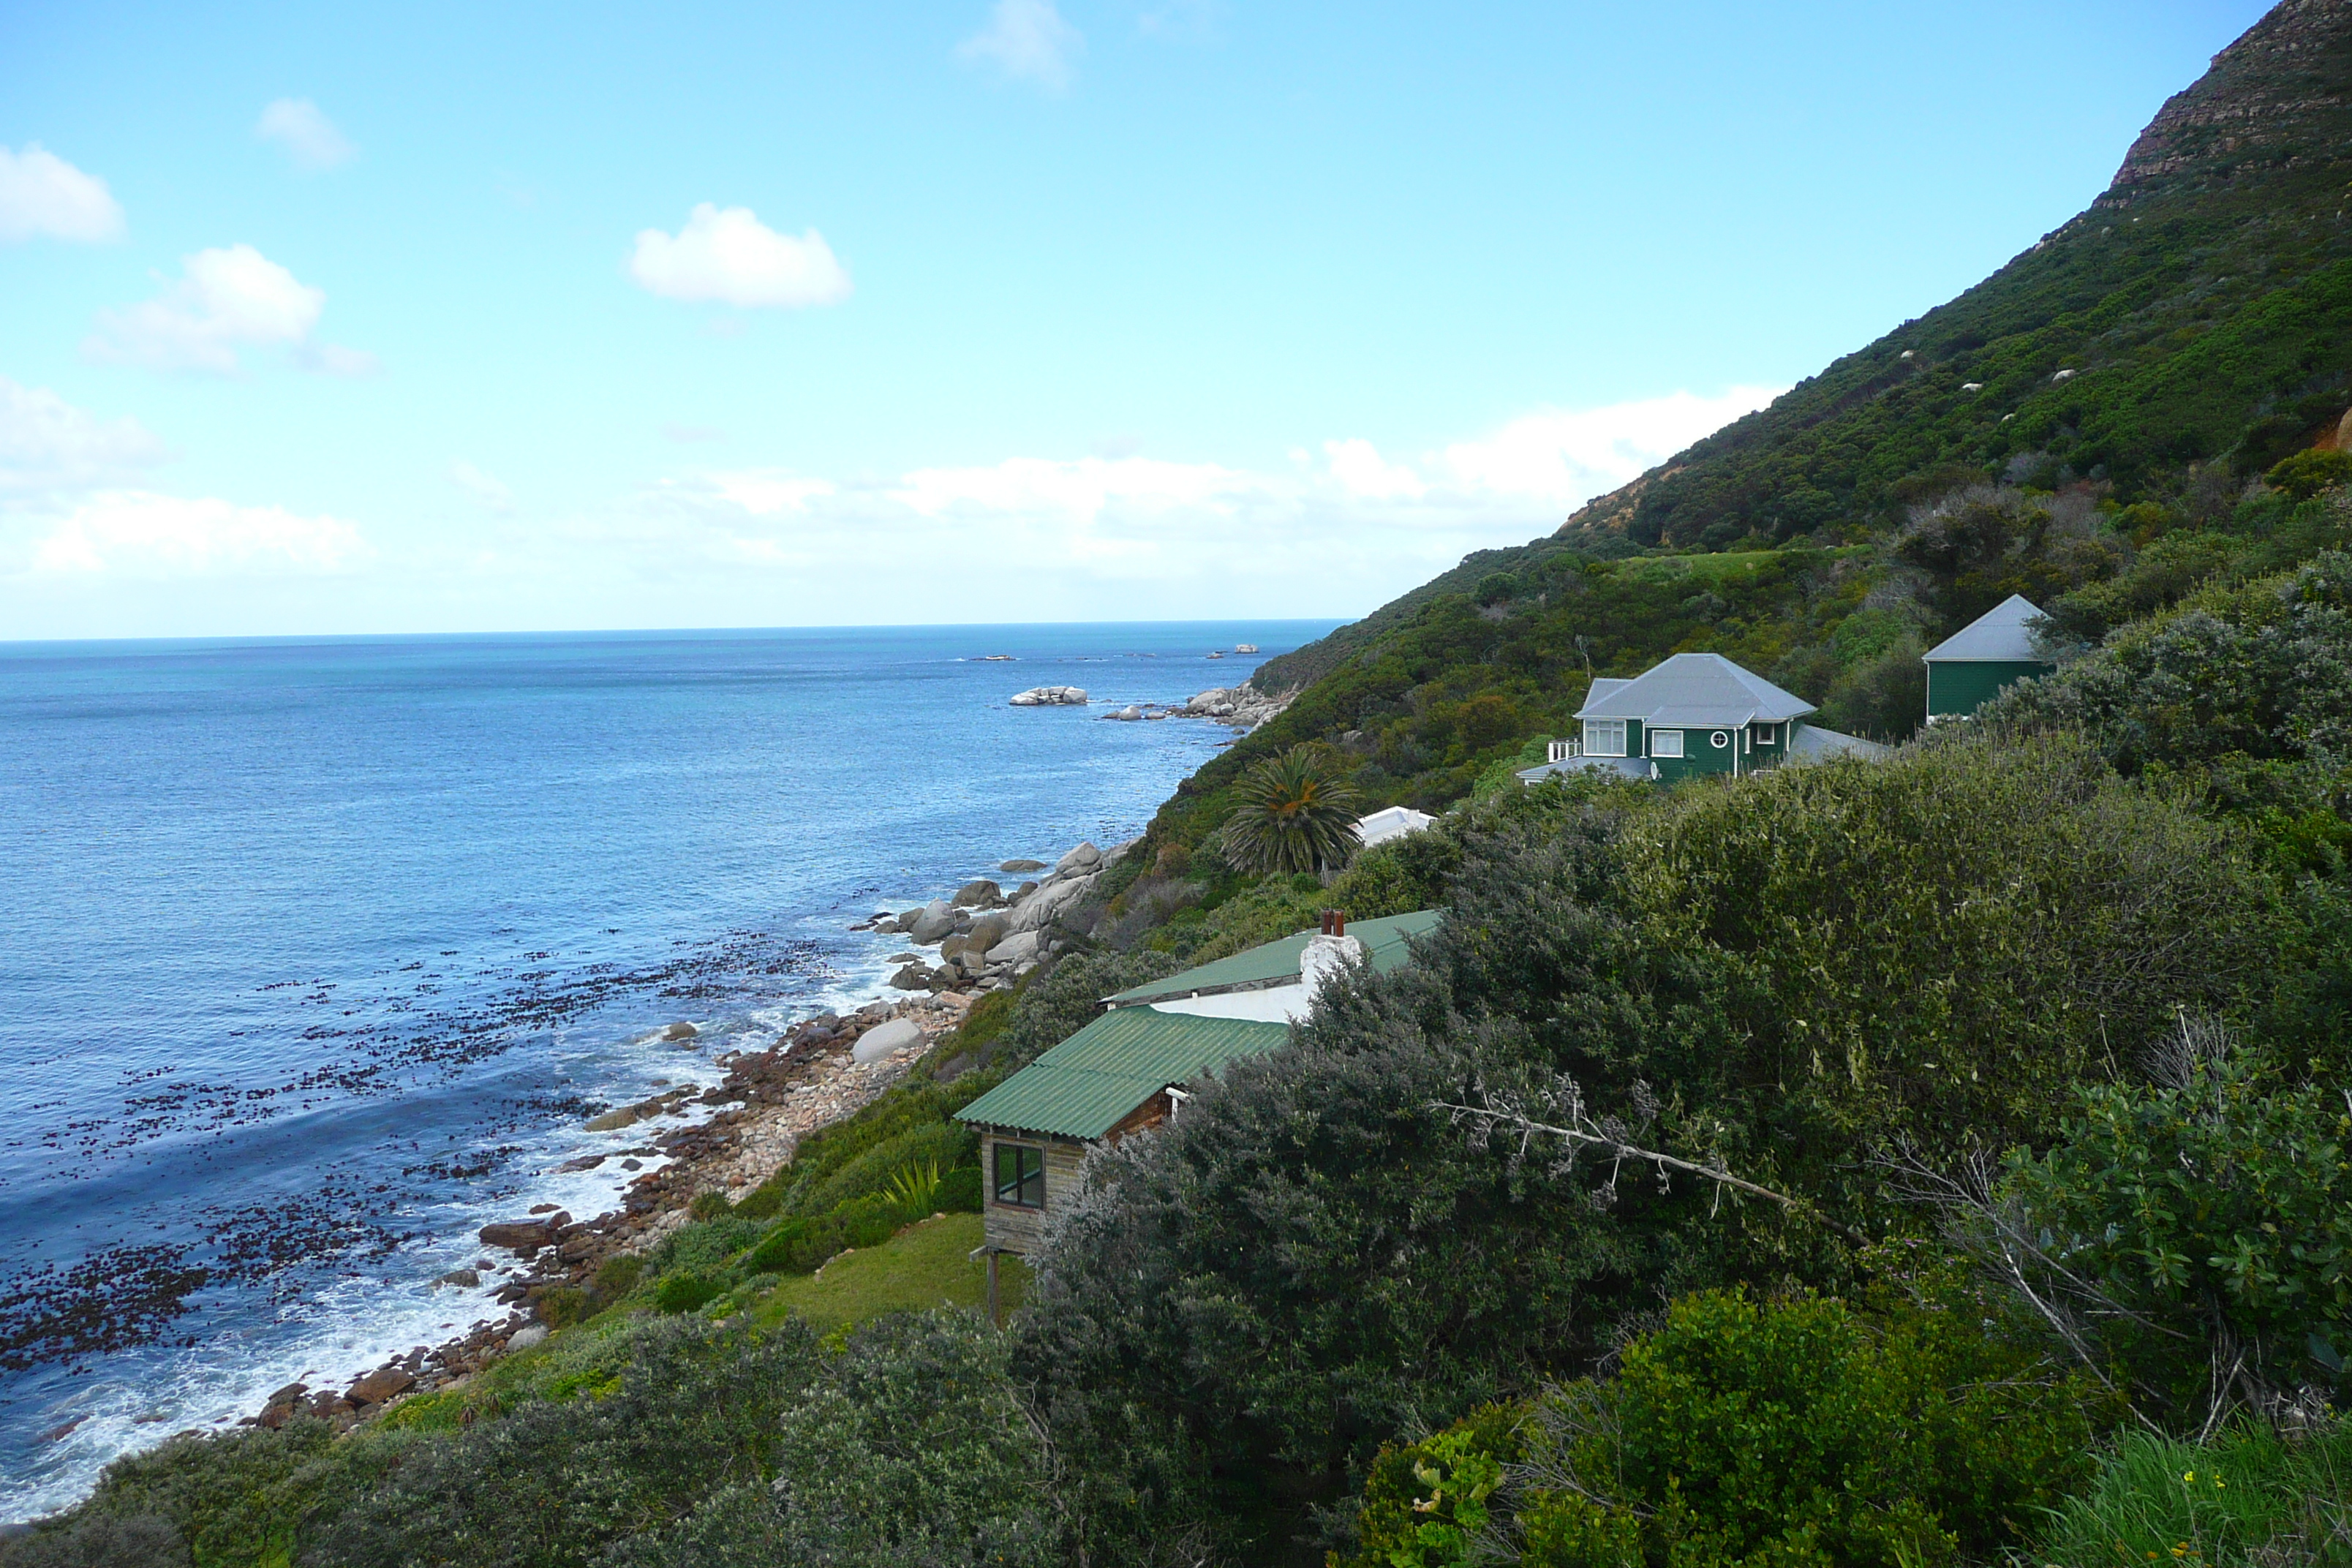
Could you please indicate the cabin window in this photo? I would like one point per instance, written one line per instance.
(1767, 734)
(1720, 739)
(1666, 743)
(1020, 1175)
(1604, 737)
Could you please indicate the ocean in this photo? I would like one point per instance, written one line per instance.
(315, 953)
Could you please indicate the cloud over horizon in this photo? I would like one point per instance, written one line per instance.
(303, 129)
(227, 298)
(1026, 40)
(43, 195)
(140, 535)
(47, 445)
(729, 256)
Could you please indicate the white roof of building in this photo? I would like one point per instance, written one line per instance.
(1390, 821)
(1693, 691)
(2002, 634)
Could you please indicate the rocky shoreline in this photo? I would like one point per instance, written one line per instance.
(817, 1072)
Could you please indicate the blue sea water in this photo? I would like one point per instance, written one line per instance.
(314, 954)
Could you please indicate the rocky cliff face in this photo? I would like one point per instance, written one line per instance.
(2274, 98)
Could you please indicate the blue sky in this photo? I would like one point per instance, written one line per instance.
(463, 318)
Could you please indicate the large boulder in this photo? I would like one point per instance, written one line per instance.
(380, 1385)
(979, 894)
(1018, 948)
(937, 919)
(1042, 908)
(879, 1042)
(913, 977)
(1078, 861)
(985, 933)
(524, 1236)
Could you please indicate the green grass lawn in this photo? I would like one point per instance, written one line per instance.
(924, 1265)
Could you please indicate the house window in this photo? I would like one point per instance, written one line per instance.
(1720, 739)
(1666, 743)
(1767, 734)
(1020, 1175)
(1604, 737)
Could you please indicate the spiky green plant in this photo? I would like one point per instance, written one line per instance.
(1295, 814)
(916, 1185)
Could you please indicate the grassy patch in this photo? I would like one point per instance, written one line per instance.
(924, 1265)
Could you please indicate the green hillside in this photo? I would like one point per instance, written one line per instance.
(2088, 426)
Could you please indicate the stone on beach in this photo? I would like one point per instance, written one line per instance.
(379, 1386)
(525, 1235)
(937, 919)
(525, 1338)
(880, 1041)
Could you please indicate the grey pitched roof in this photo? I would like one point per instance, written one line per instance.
(1811, 742)
(1699, 690)
(2000, 633)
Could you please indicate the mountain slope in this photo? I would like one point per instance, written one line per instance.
(2085, 426)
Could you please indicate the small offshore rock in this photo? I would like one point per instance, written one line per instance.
(614, 1121)
(877, 1042)
(1050, 697)
(584, 1162)
(464, 1278)
(681, 1030)
(1018, 867)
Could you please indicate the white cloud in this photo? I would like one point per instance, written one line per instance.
(731, 257)
(488, 488)
(225, 298)
(1359, 468)
(309, 138)
(41, 194)
(1026, 40)
(1568, 458)
(48, 445)
(767, 492)
(135, 533)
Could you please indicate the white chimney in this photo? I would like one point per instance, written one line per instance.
(1329, 953)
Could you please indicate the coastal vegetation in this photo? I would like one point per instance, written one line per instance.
(1933, 1160)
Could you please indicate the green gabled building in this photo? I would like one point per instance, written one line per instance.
(1133, 1068)
(1980, 661)
(1694, 714)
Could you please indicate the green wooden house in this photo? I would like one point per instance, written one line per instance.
(1693, 714)
(1977, 663)
(1133, 1068)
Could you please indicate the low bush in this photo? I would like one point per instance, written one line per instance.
(2250, 1499)
(687, 1292)
(1793, 1433)
(564, 1306)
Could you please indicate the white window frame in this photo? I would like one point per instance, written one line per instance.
(1767, 734)
(1666, 743)
(1598, 737)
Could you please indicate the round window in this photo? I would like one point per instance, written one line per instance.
(1720, 739)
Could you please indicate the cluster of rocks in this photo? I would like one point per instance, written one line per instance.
(818, 1071)
(1050, 697)
(1236, 705)
(986, 937)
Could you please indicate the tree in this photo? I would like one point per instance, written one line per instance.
(1295, 814)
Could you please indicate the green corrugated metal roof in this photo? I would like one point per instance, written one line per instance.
(1085, 1086)
(1383, 939)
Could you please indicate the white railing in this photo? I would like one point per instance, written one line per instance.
(1563, 750)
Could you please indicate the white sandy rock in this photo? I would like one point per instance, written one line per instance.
(1050, 697)
(877, 1043)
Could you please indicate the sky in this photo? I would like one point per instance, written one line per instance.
(322, 319)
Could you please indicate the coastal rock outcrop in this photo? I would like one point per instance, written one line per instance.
(1241, 706)
(879, 1042)
(1050, 697)
(937, 920)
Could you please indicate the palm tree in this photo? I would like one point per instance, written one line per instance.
(1295, 814)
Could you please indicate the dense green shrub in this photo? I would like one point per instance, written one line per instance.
(945, 1144)
(100, 1540)
(1789, 1432)
(2305, 474)
(564, 1306)
(910, 1448)
(687, 1292)
(2193, 1234)
(693, 1410)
